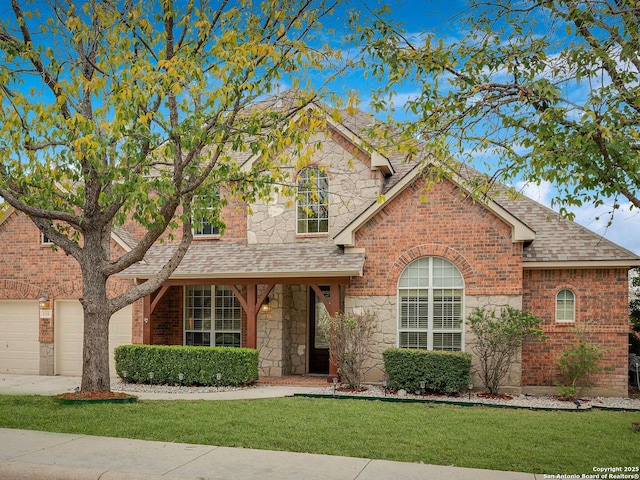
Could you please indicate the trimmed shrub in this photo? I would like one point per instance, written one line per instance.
(200, 365)
(442, 372)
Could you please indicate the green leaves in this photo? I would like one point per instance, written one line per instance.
(542, 90)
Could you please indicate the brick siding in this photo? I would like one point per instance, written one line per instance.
(602, 313)
(464, 232)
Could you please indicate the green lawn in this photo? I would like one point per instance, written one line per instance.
(501, 439)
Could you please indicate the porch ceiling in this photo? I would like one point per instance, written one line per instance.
(240, 260)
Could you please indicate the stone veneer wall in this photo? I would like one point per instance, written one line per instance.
(270, 335)
(385, 334)
(275, 221)
(296, 301)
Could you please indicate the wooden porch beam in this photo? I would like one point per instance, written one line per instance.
(251, 305)
(158, 297)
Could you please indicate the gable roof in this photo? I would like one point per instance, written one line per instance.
(550, 241)
(346, 237)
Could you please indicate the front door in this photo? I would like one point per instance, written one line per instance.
(318, 337)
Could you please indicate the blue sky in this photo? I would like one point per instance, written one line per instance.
(439, 17)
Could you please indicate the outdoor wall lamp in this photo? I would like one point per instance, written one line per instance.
(266, 307)
(44, 301)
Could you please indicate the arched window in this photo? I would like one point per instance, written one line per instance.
(313, 201)
(430, 299)
(565, 306)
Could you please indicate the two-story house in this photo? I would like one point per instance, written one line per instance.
(363, 234)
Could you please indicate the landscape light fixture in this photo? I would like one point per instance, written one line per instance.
(335, 385)
(124, 376)
(180, 378)
(470, 388)
(423, 384)
(384, 386)
(151, 375)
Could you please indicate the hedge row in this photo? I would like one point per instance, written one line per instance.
(442, 372)
(200, 365)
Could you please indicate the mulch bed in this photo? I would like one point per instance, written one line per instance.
(82, 397)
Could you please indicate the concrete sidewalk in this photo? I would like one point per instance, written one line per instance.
(26, 454)
(31, 455)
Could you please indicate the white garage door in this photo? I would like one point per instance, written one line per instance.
(69, 329)
(19, 345)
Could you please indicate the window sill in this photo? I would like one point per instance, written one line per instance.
(312, 235)
(197, 238)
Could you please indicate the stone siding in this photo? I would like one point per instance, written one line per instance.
(350, 189)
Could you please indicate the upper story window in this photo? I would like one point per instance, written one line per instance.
(202, 226)
(430, 300)
(565, 306)
(44, 240)
(313, 201)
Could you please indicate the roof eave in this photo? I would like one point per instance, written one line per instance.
(520, 231)
(580, 264)
(244, 275)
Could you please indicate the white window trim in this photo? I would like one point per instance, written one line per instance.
(212, 332)
(430, 331)
(44, 240)
(193, 221)
(298, 232)
(558, 320)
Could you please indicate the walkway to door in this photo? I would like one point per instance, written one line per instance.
(295, 380)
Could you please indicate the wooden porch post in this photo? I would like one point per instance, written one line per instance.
(334, 304)
(252, 315)
(251, 305)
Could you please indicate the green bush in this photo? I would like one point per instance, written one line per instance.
(200, 365)
(442, 372)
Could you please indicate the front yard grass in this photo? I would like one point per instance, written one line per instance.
(478, 437)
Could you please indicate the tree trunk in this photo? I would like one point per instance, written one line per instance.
(95, 351)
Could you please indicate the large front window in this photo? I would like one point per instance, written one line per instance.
(213, 316)
(430, 298)
(313, 201)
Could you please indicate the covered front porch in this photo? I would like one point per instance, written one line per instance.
(276, 307)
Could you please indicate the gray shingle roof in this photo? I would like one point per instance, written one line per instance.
(559, 239)
(240, 260)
